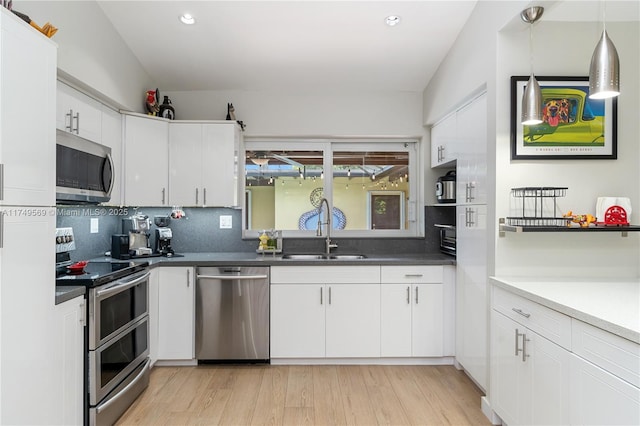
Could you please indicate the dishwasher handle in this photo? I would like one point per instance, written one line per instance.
(232, 277)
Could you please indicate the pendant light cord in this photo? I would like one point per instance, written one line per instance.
(531, 47)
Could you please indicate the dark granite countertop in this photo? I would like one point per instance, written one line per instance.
(246, 258)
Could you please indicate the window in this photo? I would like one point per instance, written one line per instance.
(370, 185)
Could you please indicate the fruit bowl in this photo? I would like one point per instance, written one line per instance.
(77, 268)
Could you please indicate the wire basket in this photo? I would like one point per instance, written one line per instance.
(536, 206)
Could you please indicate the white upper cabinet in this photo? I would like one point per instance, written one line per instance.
(78, 113)
(203, 163)
(444, 147)
(27, 115)
(146, 158)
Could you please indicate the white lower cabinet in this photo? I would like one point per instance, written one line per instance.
(529, 375)
(176, 313)
(600, 398)
(549, 368)
(70, 322)
(412, 311)
(329, 311)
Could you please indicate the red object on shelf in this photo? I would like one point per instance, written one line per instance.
(615, 216)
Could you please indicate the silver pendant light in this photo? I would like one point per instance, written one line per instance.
(532, 97)
(604, 72)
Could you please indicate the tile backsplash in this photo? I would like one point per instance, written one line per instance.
(199, 231)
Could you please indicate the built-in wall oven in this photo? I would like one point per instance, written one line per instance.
(117, 339)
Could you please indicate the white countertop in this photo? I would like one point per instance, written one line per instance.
(610, 304)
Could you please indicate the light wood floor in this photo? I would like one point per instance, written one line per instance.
(307, 395)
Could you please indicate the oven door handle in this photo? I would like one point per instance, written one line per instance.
(105, 406)
(119, 286)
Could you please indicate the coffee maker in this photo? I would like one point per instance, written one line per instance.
(163, 236)
(138, 228)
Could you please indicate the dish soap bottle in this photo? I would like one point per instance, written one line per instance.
(264, 240)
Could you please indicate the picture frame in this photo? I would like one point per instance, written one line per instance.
(575, 126)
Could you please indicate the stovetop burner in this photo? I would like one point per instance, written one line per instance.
(98, 273)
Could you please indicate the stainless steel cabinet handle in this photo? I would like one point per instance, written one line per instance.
(188, 277)
(412, 275)
(408, 295)
(416, 295)
(77, 129)
(163, 193)
(442, 153)
(83, 313)
(471, 187)
(204, 196)
(196, 195)
(519, 311)
(329, 295)
(524, 347)
(321, 295)
(518, 350)
(70, 115)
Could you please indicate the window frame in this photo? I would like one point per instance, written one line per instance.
(412, 145)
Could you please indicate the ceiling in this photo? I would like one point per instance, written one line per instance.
(293, 45)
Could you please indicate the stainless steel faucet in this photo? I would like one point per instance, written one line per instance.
(328, 244)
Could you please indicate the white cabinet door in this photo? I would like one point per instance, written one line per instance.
(395, 328)
(220, 150)
(507, 369)
(471, 168)
(203, 164)
(146, 161)
(185, 164)
(427, 320)
(78, 113)
(353, 320)
(600, 398)
(529, 375)
(29, 329)
(444, 141)
(27, 115)
(70, 317)
(471, 291)
(298, 320)
(112, 137)
(411, 320)
(176, 313)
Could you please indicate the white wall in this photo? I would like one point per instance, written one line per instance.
(485, 52)
(309, 113)
(90, 52)
(563, 254)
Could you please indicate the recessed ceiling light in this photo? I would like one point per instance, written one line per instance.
(187, 19)
(392, 20)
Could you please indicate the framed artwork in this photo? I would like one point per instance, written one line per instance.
(574, 126)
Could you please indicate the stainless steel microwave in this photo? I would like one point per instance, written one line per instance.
(84, 170)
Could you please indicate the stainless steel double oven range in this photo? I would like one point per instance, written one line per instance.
(117, 336)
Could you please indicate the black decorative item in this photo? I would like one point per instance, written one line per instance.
(231, 115)
(167, 110)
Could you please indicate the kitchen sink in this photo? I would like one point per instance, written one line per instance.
(304, 256)
(347, 256)
(324, 256)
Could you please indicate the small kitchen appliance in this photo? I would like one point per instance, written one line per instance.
(446, 188)
(163, 236)
(138, 227)
(120, 246)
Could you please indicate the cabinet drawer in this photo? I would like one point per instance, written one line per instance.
(548, 323)
(612, 353)
(412, 274)
(352, 274)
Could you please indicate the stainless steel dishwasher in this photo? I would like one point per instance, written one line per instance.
(232, 314)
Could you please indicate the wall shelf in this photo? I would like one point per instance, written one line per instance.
(623, 229)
